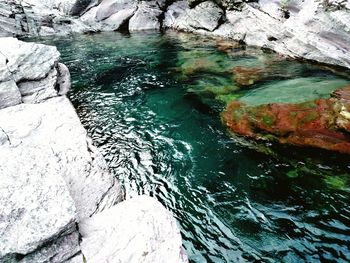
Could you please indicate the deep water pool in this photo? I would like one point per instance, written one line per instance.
(152, 103)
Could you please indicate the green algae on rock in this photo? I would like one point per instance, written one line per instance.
(322, 123)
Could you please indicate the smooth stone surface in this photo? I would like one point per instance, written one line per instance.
(110, 7)
(136, 230)
(146, 17)
(38, 18)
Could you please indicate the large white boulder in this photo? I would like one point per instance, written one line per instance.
(133, 231)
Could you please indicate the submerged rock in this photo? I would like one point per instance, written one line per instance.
(322, 123)
(137, 230)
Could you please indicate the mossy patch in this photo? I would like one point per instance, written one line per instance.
(336, 182)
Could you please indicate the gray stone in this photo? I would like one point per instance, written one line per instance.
(9, 94)
(302, 29)
(55, 125)
(26, 61)
(36, 17)
(146, 17)
(60, 250)
(36, 91)
(136, 230)
(36, 206)
(63, 80)
(108, 8)
(205, 16)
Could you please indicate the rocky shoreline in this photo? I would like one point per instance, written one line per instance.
(57, 195)
(316, 30)
(54, 182)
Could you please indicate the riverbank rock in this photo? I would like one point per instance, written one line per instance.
(30, 73)
(53, 178)
(304, 29)
(314, 30)
(322, 123)
(136, 230)
(52, 175)
(205, 16)
(38, 18)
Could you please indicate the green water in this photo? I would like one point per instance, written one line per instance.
(155, 115)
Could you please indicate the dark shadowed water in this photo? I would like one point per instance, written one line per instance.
(235, 201)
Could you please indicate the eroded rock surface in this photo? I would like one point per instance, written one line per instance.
(51, 174)
(29, 73)
(315, 30)
(141, 225)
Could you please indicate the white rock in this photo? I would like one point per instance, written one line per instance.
(36, 206)
(26, 61)
(54, 125)
(136, 230)
(110, 7)
(205, 16)
(146, 17)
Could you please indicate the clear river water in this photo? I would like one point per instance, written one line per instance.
(152, 103)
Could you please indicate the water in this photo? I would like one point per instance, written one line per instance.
(152, 105)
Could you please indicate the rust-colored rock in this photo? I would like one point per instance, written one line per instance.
(248, 76)
(227, 46)
(323, 123)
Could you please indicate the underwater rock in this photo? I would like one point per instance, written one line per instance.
(322, 123)
(136, 230)
(248, 76)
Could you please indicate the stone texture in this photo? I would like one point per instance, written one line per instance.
(52, 175)
(136, 230)
(35, 203)
(108, 8)
(322, 123)
(62, 249)
(304, 29)
(26, 61)
(55, 125)
(146, 17)
(205, 16)
(35, 18)
(9, 94)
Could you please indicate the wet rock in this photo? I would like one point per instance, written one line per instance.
(205, 16)
(140, 229)
(322, 123)
(248, 76)
(63, 79)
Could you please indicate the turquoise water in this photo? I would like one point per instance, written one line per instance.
(154, 112)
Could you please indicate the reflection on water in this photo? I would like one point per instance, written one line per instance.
(151, 103)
